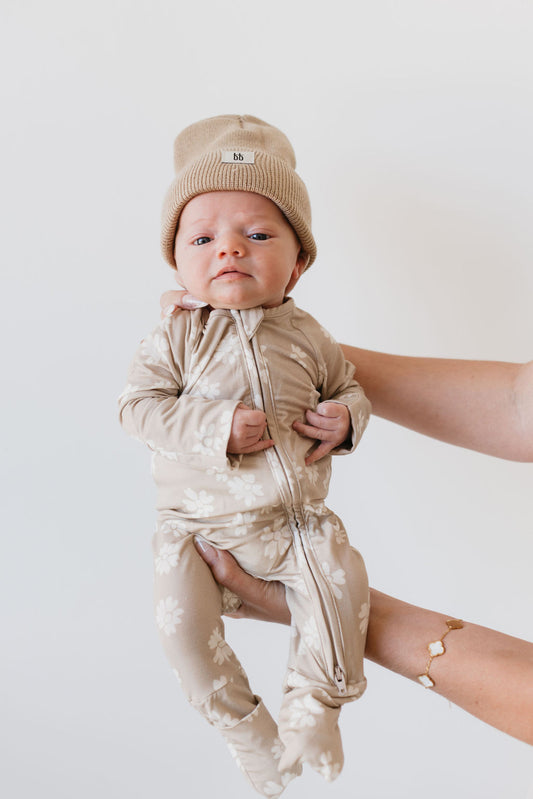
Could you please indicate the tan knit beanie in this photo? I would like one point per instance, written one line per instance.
(236, 153)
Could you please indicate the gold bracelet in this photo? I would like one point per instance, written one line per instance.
(435, 649)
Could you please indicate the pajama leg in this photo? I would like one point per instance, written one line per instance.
(188, 614)
(329, 631)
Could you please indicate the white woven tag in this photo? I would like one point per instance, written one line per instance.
(237, 157)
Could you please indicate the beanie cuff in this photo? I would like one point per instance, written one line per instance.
(269, 176)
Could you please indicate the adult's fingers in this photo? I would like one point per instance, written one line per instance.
(262, 599)
(173, 300)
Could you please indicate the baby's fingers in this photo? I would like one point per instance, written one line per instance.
(319, 452)
(320, 421)
(310, 431)
(260, 445)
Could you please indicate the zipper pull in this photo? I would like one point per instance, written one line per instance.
(340, 680)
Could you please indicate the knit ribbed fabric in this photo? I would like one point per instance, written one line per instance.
(199, 168)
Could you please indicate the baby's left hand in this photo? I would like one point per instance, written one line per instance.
(329, 424)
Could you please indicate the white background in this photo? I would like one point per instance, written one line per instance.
(413, 127)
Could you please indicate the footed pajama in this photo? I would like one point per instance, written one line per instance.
(268, 509)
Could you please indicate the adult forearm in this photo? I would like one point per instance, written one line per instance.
(482, 405)
(487, 673)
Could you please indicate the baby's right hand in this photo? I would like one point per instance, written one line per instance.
(246, 430)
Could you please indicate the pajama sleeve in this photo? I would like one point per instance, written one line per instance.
(154, 408)
(338, 385)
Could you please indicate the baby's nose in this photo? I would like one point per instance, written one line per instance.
(231, 245)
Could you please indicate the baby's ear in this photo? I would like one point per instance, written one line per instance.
(299, 268)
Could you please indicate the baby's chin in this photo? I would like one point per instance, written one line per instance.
(240, 306)
(238, 303)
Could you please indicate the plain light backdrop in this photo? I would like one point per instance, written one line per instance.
(412, 124)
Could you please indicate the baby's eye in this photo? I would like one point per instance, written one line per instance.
(201, 240)
(259, 236)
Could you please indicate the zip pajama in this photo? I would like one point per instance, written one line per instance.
(267, 508)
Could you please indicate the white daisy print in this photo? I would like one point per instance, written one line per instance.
(277, 540)
(175, 526)
(166, 453)
(335, 579)
(274, 789)
(154, 348)
(222, 651)
(245, 489)
(235, 755)
(167, 558)
(227, 350)
(310, 636)
(297, 680)
(170, 456)
(303, 711)
(297, 354)
(218, 720)
(277, 749)
(208, 442)
(309, 474)
(225, 422)
(327, 334)
(329, 770)
(168, 615)
(333, 527)
(242, 521)
(205, 389)
(316, 509)
(200, 504)
(360, 424)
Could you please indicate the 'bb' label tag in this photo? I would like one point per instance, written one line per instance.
(237, 157)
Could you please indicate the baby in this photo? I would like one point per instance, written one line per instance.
(229, 398)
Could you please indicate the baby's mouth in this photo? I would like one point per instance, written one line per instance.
(230, 273)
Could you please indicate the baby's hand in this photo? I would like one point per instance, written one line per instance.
(330, 424)
(246, 430)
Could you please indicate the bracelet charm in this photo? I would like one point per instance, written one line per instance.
(435, 649)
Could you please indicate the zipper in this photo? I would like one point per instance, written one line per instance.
(328, 609)
(340, 679)
(323, 588)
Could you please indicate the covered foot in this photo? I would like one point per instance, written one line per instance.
(310, 733)
(257, 749)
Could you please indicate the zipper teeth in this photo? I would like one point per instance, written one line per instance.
(338, 649)
(338, 677)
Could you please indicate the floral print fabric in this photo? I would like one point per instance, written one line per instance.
(268, 509)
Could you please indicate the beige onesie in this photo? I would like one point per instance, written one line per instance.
(268, 508)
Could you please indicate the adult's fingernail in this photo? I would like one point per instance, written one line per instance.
(202, 545)
(192, 302)
(169, 310)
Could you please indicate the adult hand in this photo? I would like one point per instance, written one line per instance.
(171, 301)
(261, 599)
(485, 672)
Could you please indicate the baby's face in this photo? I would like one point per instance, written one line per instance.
(235, 249)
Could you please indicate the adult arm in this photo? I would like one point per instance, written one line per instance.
(486, 406)
(483, 671)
